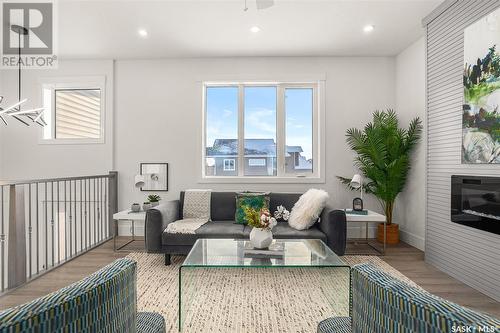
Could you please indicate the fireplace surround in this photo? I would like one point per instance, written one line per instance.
(475, 202)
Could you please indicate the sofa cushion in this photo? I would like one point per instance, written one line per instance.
(285, 199)
(284, 231)
(220, 229)
(255, 201)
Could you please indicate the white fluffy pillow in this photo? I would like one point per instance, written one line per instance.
(307, 209)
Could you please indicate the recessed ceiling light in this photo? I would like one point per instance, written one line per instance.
(368, 28)
(255, 29)
(143, 32)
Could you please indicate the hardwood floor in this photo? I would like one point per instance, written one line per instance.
(405, 258)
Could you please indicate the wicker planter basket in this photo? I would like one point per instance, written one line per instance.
(392, 233)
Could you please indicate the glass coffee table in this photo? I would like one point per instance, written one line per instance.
(331, 275)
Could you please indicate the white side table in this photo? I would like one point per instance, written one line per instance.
(127, 215)
(371, 217)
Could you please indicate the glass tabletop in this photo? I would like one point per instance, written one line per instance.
(283, 253)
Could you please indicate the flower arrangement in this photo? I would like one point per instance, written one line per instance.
(260, 219)
(281, 213)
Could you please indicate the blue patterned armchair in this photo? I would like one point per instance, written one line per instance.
(381, 303)
(105, 301)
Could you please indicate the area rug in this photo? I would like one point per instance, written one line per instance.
(245, 299)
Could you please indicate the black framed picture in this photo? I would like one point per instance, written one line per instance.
(155, 176)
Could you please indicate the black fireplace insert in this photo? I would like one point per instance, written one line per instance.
(475, 202)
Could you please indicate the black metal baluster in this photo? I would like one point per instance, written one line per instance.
(74, 216)
(58, 225)
(99, 211)
(52, 220)
(70, 223)
(95, 216)
(2, 241)
(46, 266)
(29, 230)
(85, 211)
(37, 233)
(106, 207)
(65, 225)
(81, 219)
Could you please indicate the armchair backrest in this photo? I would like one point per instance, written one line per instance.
(105, 301)
(382, 303)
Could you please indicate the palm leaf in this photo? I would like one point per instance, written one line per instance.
(383, 155)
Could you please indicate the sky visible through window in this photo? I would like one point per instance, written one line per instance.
(260, 115)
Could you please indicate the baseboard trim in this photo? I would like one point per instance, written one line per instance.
(412, 239)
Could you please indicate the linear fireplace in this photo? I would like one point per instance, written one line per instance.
(475, 202)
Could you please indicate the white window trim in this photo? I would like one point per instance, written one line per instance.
(259, 163)
(73, 82)
(228, 168)
(319, 104)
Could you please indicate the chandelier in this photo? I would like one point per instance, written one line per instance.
(15, 111)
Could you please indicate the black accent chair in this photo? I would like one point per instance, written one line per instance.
(331, 228)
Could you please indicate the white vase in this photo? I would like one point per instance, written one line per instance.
(261, 238)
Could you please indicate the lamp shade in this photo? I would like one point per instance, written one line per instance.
(356, 181)
(140, 181)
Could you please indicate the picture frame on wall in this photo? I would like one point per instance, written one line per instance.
(156, 176)
(481, 83)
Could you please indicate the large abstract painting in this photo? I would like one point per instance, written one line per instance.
(481, 114)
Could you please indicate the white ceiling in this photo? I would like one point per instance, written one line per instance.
(207, 28)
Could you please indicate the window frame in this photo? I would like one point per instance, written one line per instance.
(72, 83)
(318, 131)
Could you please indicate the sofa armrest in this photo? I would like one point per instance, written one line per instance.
(157, 219)
(333, 224)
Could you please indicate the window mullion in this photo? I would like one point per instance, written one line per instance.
(241, 130)
(280, 131)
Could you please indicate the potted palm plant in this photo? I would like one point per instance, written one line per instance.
(383, 155)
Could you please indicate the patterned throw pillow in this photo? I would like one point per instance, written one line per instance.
(256, 201)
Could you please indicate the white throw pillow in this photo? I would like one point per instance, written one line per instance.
(307, 209)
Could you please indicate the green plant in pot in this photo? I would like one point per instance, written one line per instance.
(383, 155)
(154, 199)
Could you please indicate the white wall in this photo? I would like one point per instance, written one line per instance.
(410, 103)
(158, 117)
(23, 156)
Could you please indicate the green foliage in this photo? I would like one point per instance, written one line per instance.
(253, 201)
(383, 156)
(154, 198)
(482, 78)
(252, 216)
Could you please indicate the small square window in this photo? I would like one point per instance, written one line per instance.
(257, 162)
(74, 110)
(77, 113)
(229, 165)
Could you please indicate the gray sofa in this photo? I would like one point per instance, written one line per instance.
(331, 228)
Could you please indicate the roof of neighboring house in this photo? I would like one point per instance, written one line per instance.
(294, 149)
(227, 147)
(261, 147)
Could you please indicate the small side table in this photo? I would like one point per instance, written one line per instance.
(371, 217)
(127, 215)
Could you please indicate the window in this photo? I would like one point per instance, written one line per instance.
(74, 110)
(229, 165)
(255, 162)
(261, 130)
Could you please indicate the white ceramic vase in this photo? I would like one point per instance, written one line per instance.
(261, 238)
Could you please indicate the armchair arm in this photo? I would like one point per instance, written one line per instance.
(333, 224)
(157, 220)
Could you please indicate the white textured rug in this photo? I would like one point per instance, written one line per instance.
(245, 299)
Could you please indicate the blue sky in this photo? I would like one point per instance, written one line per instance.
(260, 115)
